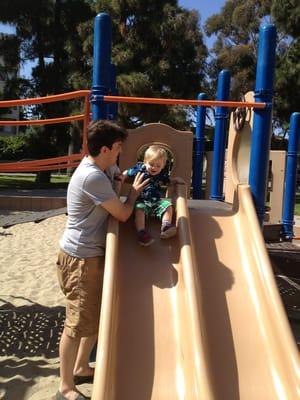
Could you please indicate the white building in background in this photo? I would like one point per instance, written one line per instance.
(14, 113)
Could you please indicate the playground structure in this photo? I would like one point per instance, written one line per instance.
(163, 314)
(200, 316)
(277, 166)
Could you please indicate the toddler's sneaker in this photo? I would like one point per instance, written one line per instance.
(168, 231)
(145, 238)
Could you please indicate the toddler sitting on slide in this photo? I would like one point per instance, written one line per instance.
(150, 201)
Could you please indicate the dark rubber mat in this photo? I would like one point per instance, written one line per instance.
(29, 216)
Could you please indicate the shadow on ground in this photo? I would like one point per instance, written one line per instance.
(30, 330)
(29, 341)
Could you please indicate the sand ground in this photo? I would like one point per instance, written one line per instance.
(31, 311)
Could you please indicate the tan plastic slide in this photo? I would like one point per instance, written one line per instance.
(197, 316)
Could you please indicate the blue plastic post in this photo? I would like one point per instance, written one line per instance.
(199, 143)
(101, 67)
(217, 175)
(261, 136)
(291, 177)
(113, 107)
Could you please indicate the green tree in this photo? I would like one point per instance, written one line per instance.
(157, 47)
(287, 18)
(236, 28)
(9, 50)
(158, 51)
(47, 31)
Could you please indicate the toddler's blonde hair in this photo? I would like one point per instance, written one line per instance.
(155, 152)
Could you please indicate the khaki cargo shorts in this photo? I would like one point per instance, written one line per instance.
(81, 282)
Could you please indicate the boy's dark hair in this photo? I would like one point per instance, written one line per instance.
(104, 133)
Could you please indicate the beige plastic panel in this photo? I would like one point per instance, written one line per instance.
(276, 190)
(242, 157)
(242, 142)
(179, 143)
(209, 159)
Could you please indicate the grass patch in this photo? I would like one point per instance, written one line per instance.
(27, 181)
(297, 204)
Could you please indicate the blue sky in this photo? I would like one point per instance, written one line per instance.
(6, 29)
(205, 9)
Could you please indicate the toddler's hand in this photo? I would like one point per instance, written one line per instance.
(139, 184)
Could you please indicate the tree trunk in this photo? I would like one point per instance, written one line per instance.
(74, 145)
(43, 177)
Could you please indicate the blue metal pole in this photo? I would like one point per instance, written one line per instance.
(217, 176)
(101, 67)
(291, 177)
(113, 107)
(199, 143)
(101, 78)
(261, 136)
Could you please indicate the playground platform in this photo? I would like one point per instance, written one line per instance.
(21, 206)
(32, 200)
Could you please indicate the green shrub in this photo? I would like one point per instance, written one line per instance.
(14, 147)
(35, 143)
